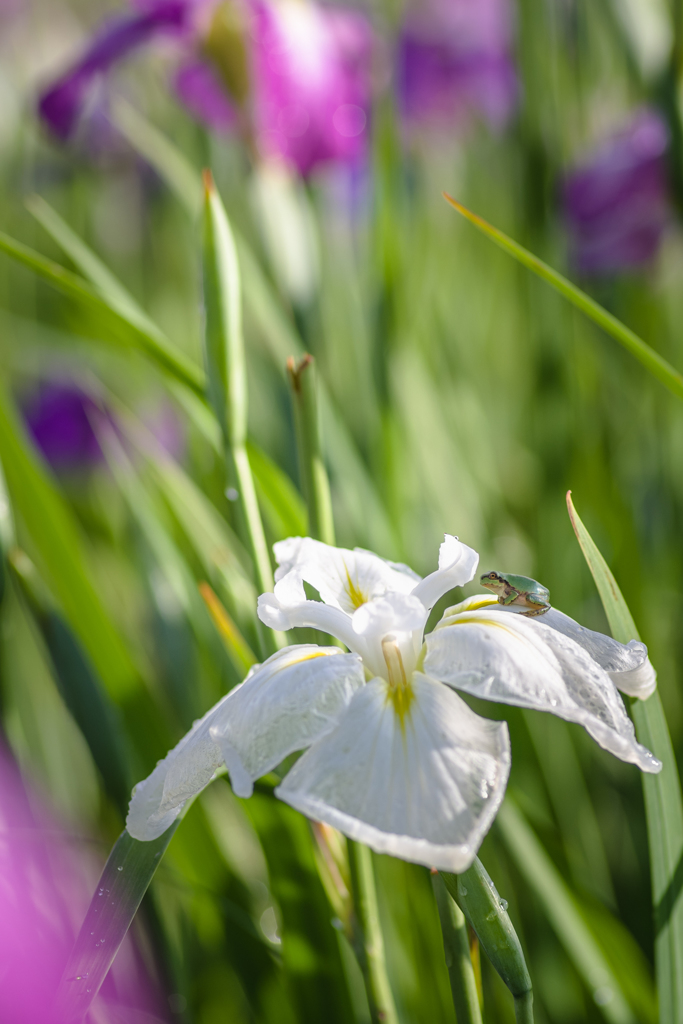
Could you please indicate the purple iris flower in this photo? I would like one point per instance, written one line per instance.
(58, 418)
(455, 60)
(61, 105)
(616, 203)
(308, 65)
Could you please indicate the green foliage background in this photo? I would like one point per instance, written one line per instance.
(459, 394)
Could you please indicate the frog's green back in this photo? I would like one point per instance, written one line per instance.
(525, 584)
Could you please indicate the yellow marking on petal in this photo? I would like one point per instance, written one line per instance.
(471, 604)
(496, 623)
(309, 657)
(401, 697)
(400, 692)
(356, 596)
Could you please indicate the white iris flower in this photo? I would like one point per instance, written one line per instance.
(394, 757)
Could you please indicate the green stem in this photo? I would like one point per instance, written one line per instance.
(487, 915)
(524, 1008)
(368, 942)
(457, 952)
(314, 480)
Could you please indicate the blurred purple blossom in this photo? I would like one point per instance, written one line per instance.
(455, 60)
(61, 105)
(45, 885)
(58, 417)
(616, 203)
(309, 75)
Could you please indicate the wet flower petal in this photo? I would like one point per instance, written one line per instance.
(517, 660)
(283, 705)
(422, 782)
(627, 665)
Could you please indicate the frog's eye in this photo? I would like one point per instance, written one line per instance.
(493, 575)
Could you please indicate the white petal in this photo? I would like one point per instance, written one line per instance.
(457, 566)
(287, 607)
(394, 613)
(344, 579)
(424, 787)
(292, 704)
(295, 698)
(518, 660)
(627, 665)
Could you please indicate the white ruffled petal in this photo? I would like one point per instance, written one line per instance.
(423, 786)
(518, 660)
(457, 566)
(283, 705)
(627, 665)
(295, 698)
(344, 579)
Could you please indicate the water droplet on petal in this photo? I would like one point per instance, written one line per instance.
(463, 890)
(120, 867)
(503, 904)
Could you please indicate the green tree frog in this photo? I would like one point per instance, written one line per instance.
(519, 590)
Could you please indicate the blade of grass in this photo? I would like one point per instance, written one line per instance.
(122, 322)
(56, 548)
(316, 486)
(663, 801)
(547, 883)
(226, 371)
(124, 881)
(651, 360)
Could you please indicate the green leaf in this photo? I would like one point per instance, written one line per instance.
(283, 507)
(160, 153)
(56, 547)
(124, 881)
(651, 360)
(547, 883)
(226, 369)
(108, 295)
(663, 801)
(78, 683)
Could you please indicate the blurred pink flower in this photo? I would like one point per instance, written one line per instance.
(45, 886)
(308, 92)
(616, 203)
(455, 60)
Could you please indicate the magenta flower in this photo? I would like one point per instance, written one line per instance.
(455, 60)
(45, 885)
(308, 93)
(616, 203)
(58, 418)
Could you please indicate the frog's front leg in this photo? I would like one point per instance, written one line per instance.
(509, 597)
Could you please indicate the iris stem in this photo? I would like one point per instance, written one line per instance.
(457, 952)
(316, 487)
(367, 940)
(487, 915)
